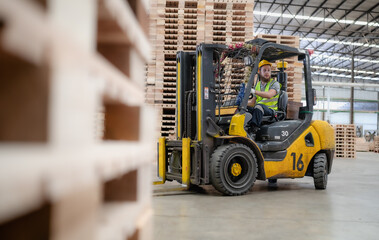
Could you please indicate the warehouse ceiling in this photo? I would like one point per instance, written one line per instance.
(338, 31)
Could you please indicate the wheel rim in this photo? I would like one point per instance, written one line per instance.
(237, 170)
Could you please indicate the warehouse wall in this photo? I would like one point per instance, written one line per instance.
(365, 107)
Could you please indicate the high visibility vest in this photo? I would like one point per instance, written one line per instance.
(269, 102)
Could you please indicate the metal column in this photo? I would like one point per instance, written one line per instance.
(352, 91)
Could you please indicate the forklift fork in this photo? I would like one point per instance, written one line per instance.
(186, 161)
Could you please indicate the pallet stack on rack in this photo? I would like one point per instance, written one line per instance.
(229, 21)
(294, 70)
(181, 25)
(345, 140)
(66, 67)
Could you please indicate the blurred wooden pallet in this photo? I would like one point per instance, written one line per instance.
(73, 124)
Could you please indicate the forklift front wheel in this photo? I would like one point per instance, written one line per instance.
(233, 169)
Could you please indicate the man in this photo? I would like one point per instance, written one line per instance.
(266, 95)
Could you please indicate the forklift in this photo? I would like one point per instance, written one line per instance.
(212, 143)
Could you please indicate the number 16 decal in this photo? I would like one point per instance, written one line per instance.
(300, 164)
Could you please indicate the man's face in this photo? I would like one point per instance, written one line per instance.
(265, 72)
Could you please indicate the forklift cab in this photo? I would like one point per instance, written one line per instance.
(281, 77)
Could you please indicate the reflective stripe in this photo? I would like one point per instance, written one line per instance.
(269, 102)
(265, 100)
(272, 107)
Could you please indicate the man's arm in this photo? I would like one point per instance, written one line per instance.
(269, 94)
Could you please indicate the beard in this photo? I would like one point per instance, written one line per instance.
(263, 79)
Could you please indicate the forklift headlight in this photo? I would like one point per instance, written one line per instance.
(248, 60)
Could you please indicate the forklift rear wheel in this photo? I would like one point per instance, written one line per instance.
(233, 169)
(320, 171)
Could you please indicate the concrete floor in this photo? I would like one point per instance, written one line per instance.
(293, 209)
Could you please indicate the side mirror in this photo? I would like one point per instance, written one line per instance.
(314, 97)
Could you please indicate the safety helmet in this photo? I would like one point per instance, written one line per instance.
(264, 62)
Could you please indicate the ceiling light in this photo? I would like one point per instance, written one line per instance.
(318, 19)
(343, 69)
(323, 40)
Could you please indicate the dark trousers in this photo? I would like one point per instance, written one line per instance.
(258, 112)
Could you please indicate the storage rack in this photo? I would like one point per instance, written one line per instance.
(73, 123)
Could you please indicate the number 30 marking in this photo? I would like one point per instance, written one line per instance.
(300, 164)
(284, 133)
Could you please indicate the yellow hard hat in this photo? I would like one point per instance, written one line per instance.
(264, 62)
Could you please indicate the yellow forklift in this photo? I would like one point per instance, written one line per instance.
(213, 144)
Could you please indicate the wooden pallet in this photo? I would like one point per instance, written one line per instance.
(74, 124)
(292, 41)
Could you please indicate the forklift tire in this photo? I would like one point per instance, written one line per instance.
(233, 169)
(320, 171)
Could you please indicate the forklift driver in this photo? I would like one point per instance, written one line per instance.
(266, 95)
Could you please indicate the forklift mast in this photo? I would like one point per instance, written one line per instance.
(196, 101)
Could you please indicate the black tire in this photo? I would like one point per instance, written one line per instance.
(320, 171)
(237, 157)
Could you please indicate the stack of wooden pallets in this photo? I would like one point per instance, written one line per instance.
(361, 145)
(178, 25)
(75, 137)
(345, 140)
(228, 21)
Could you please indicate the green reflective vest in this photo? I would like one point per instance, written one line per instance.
(269, 102)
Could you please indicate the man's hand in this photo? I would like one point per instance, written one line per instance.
(252, 91)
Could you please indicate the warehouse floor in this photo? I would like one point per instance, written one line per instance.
(293, 209)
